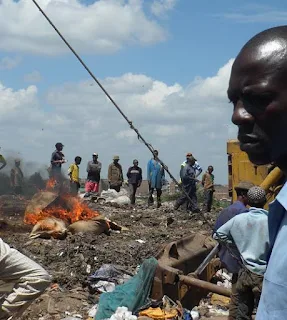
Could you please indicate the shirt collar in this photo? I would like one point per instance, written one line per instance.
(282, 196)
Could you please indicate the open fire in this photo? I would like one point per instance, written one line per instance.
(63, 206)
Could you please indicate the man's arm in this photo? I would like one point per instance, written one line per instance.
(70, 171)
(203, 179)
(198, 169)
(223, 234)
(129, 172)
(140, 177)
(148, 171)
(110, 173)
(121, 174)
(88, 167)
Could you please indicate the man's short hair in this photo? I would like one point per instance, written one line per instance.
(256, 196)
(78, 158)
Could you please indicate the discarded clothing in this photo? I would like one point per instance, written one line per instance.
(159, 314)
(249, 232)
(133, 294)
(110, 273)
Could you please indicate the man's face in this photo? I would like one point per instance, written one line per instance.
(155, 154)
(210, 169)
(136, 163)
(258, 91)
(116, 161)
(17, 163)
(95, 158)
(78, 161)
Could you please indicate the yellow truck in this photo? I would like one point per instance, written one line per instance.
(270, 178)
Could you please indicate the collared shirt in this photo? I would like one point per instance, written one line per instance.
(249, 232)
(226, 214)
(273, 301)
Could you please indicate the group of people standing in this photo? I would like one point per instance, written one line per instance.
(189, 173)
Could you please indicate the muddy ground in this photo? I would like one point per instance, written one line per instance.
(69, 260)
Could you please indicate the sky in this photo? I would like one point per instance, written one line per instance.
(165, 62)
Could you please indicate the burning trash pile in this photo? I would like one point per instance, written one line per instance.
(55, 213)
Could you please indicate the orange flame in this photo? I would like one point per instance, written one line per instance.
(71, 211)
(51, 183)
(79, 211)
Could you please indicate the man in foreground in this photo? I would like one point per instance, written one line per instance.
(134, 175)
(29, 280)
(94, 168)
(115, 174)
(258, 91)
(248, 231)
(230, 261)
(208, 186)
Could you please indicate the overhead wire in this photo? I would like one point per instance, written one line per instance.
(140, 137)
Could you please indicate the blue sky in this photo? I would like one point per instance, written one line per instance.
(173, 56)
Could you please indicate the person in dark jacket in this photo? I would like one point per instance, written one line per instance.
(134, 179)
(228, 261)
(187, 176)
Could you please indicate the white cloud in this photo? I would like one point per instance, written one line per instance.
(33, 77)
(256, 13)
(173, 118)
(105, 26)
(8, 63)
(161, 7)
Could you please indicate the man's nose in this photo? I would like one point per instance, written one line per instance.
(240, 115)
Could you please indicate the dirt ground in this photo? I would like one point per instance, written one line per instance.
(69, 260)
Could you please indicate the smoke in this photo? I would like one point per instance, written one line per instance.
(35, 175)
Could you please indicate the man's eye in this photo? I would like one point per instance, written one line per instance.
(256, 103)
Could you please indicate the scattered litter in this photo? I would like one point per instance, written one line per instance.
(112, 196)
(219, 300)
(140, 241)
(93, 311)
(103, 286)
(107, 277)
(194, 315)
(134, 293)
(122, 313)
